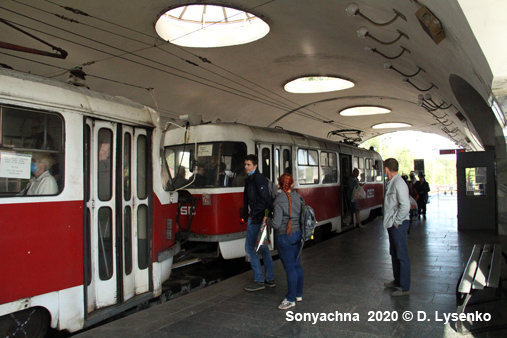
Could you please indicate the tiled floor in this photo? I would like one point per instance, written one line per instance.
(343, 279)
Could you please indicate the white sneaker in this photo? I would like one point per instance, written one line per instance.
(299, 299)
(286, 304)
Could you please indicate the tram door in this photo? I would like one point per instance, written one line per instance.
(345, 172)
(116, 215)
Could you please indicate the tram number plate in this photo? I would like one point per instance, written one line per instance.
(187, 210)
(370, 193)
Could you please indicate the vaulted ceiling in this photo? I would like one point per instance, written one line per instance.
(115, 44)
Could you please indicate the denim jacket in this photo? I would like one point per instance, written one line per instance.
(396, 203)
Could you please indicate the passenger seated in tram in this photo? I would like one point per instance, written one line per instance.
(198, 179)
(42, 183)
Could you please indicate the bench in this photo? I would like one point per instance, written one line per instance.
(482, 271)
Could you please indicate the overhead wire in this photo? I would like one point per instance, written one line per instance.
(284, 106)
(231, 91)
(193, 54)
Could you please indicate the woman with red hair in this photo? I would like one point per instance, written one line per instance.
(285, 221)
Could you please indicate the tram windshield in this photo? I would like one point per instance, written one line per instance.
(210, 165)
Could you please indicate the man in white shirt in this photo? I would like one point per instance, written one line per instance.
(397, 222)
(42, 183)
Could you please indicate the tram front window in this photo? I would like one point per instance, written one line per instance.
(209, 165)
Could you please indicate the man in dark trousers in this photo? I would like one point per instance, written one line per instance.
(256, 199)
(423, 188)
(397, 222)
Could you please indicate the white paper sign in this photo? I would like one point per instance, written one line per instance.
(205, 150)
(15, 165)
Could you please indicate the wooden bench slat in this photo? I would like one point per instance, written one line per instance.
(496, 267)
(483, 269)
(469, 273)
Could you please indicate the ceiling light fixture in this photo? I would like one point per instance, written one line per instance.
(389, 65)
(364, 110)
(317, 84)
(391, 125)
(375, 50)
(363, 32)
(206, 26)
(353, 10)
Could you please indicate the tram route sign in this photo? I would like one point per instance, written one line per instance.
(451, 151)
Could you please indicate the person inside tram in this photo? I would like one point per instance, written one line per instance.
(179, 180)
(198, 179)
(211, 171)
(42, 183)
(223, 179)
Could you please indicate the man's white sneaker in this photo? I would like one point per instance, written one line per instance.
(286, 304)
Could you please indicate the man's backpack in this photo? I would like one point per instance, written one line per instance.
(307, 221)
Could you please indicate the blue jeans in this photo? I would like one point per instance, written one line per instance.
(398, 248)
(252, 231)
(288, 247)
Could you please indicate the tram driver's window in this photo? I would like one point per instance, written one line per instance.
(31, 152)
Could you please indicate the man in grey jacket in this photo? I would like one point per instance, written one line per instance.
(397, 222)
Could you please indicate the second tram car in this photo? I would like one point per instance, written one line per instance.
(88, 236)
(207, 163)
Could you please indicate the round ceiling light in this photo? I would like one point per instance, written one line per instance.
(317, 84)
(207, 26)
(364, 110)
(391, 125)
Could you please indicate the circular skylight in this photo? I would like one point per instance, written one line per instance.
(209, 26)
(391, 125)
(364, 110)
(317, 84)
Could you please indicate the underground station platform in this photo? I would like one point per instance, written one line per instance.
(344, 295)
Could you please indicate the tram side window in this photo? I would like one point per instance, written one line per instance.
(369, 170)
(266, 163)
(378, 171)
(329, 167)
(287, 162)
(31, 152)
(277, 165)
(217, 164)
(308, 166)
(361, 177)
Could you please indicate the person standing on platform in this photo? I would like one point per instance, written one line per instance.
(285, 221)
(256, 199)
(423, 188)
(397, 221)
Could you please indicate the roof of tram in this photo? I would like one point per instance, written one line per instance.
(432, 66)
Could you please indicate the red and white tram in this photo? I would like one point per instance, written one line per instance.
(207, 161)
(100, 243)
